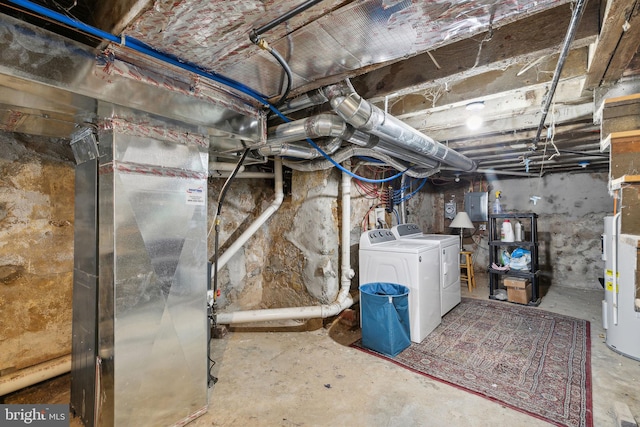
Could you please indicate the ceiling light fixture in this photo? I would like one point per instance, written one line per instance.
(474, 122)
(475, 106)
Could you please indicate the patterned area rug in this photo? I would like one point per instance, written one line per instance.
(528, 359)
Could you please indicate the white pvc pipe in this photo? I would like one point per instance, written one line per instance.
(255, 226)
(34, 374)
(265, 175)
(224, 166)
(343, 300)
(347, 272)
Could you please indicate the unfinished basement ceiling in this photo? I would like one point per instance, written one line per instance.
(423, 62)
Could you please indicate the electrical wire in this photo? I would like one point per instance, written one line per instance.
(414, 192)
(212, 378)
(225, 187)
(395, 211)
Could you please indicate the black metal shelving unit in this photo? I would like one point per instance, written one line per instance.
(530, 243)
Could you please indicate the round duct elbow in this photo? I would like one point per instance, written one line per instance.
(354, 110)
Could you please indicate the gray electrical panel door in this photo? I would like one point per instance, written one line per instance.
(477, 206)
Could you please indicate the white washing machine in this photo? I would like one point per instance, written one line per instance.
(383, 258)
(449, 262)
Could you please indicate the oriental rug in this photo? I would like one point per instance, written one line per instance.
(525, 358)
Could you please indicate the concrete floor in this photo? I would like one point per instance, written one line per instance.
(309, 379)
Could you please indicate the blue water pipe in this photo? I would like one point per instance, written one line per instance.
(145, 49)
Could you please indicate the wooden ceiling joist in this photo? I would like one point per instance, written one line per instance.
(615, 46)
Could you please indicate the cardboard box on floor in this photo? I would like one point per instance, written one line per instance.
(518, 290)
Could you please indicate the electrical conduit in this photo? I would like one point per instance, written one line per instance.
(342, 301)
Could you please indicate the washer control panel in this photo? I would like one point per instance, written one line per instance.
(408, 229)
(380, 236)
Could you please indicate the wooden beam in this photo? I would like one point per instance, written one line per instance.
(518, 75)
(616, 15)
(115, 15)
(536, 33)
(615, 184)
(626, 49)
(513, 110)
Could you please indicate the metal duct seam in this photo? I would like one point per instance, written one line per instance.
(322, 125)
(303, 101)
(396, 134)
(299, 151)
(348, 153)
(281, 137)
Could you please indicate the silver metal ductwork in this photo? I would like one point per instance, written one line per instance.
(366, 125)
(282, 140)
(396, 137)
(140, 328)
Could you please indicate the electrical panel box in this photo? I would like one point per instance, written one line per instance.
(477, 206)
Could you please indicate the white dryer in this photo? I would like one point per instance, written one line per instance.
(383, 258)
(449, 261)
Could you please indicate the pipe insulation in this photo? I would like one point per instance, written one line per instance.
(306, 100)
(395, 136)
(343, 299)
(34, 374)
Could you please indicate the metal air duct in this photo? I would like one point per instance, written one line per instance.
(140, 330)
(281, 140)
(396, 137)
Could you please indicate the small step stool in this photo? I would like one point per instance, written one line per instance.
(466, 272)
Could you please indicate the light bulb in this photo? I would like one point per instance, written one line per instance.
(474, 122)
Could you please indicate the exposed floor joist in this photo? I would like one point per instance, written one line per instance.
(538, 33)
(615, 47)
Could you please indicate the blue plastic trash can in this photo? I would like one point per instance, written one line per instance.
(385, 317)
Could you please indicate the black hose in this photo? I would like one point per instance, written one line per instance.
(225, 187)
(255, 38)
(221, 197)
(287, 70)
(212, 380)
(255, 33)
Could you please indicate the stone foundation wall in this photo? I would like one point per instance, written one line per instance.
(293, 259)
(36, 250)
(571, 209)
